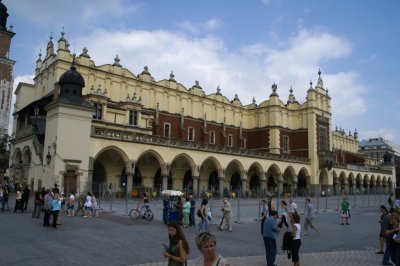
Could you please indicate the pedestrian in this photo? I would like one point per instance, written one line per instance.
(345, 212)
(6, 191)
(391, 200)
(296, 232)
(227, 216)
(55, 210)
(71, 204)
(26, 193)
(384, 228)
(192, 221)
(88, 205)
(178, 248)
(55, 189)
(269, 236)
(2, 198)
(292, 206)
(264, 214)
(18, 200)
(207, 244)
(81, 205)
(178, 207)
(36, 205)
(95, 205)
(48, 200)
(186, 213)
(394, 234)
(309, 217)
(201, 212)
(284, 215)
(43, 193)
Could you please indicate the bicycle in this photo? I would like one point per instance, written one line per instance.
(136, 213)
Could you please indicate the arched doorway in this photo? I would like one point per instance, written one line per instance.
(99, 184)
(188, 182)
(213, 182)
(254, 183)
(235, 182)
(157, 184)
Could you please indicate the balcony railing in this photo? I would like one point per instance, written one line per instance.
(116, 134)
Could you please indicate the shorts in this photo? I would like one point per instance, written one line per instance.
(295, 250)
(71, 207)
(88, 208)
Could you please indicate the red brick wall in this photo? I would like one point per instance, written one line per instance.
(257, 139)
(298, 142)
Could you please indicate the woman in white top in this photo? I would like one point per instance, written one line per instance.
(88, 205)
(206, 243)
(296, 230)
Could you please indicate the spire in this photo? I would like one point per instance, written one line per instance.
(116, 61)
(291, 99)
(320, 83)
(62, 35)
(172, 77)
(50, 47)
(40, 56)
(218, 90)
(274, 88)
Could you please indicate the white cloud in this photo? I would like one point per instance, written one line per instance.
(248, 72)
(197, 28)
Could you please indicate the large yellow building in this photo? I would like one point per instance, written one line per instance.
(85, 127)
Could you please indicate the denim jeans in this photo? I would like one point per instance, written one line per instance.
(270, 250)
(203, 225)
(386, 256)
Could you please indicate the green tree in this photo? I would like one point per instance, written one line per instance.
(4, 152)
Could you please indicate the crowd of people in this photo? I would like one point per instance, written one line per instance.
(285, 218)
(389, 235)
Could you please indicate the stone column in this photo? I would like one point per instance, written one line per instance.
(221, 186)
(195, 186)
(244, 187)
(294, 189)
(263, 187)
(280, 187)
(164, 181)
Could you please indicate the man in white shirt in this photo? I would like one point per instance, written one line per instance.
(292, 206)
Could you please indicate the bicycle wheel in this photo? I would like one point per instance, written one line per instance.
(134, 214)
(148, 215)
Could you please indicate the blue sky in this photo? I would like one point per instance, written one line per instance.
(242, 46)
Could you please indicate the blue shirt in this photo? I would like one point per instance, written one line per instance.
(270, 227)
(56, 205)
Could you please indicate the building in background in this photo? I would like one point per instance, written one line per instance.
(6, 69)
(99, 128)
(382, 153)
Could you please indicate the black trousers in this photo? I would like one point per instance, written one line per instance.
(55, 215)
(192, 222)
(46, 219)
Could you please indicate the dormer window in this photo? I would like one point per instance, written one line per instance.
(98, 110)
(133, 117)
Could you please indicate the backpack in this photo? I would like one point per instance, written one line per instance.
(287, 241)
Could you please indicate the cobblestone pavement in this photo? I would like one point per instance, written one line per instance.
(114, 239)
(343, 258)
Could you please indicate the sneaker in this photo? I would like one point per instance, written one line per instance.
(85, 216)
(380, 252)
(342, 223)
(347, 223)
(304, 234)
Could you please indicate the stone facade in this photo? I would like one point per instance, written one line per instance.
(153, 135)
